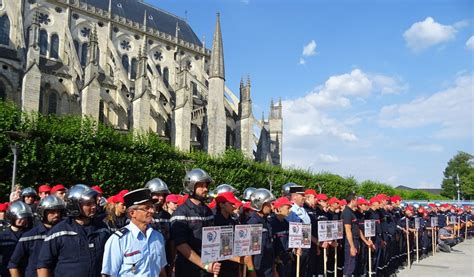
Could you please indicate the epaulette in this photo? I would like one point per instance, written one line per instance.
(121, 232)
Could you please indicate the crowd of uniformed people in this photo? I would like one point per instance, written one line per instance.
(76, 231)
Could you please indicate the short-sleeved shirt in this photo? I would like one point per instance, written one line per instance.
(25, 256)
(299, 214)
(348, 217)
(186, 227)
(129, 252)
(71, 248)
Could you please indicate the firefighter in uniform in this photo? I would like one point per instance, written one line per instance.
(76, 244)
(186, 227)
(280, 226)
(20, 217)
(50, 211)
(260, 202)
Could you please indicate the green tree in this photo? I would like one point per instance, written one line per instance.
(459, 166)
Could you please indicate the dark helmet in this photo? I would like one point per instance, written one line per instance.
(28, 192)
(247, 192)
(285, 189)
(225, 188)
(259, 197)
(195, 176)
(76, 196)
(18, 210)
(156, 185)
(50, 202)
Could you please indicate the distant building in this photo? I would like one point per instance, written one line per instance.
(131, 66)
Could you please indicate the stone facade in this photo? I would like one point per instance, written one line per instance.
(131, 66)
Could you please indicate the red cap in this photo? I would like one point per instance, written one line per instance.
(333, 200)
(227, 196)
(57, 187)
(281, 201)
(182, 199)
(119, 198)
(322, 197)
(111, 199)
(395, 198)
(213, 204)
(246, 206)
(172, 198)
(98, 189)
(123, 192)
(44, 188)
(343, 202)
(445, 205)
(382, 197)
(409, 208)
(3, 207)
(362, 201)
(432, 205)
(374, 199)
(311, 191)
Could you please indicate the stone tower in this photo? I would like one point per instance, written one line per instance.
(216, 117)
(31, 83)
(141, 101)
(275, 126)
(90, 98)
(245, 123)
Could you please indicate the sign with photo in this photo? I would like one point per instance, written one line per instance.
(217, 243)
(247, 240)
(417, 223)
(299, 235)
(330, 230)
(369, 228)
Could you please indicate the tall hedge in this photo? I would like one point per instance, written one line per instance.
(71, 150)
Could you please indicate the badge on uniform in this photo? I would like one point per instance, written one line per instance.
(132, 253)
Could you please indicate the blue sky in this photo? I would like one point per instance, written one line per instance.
(379, 90)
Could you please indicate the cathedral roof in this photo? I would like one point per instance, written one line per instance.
(134, 10)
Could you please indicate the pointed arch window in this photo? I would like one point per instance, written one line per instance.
(84, 54)
(43, 41)
(54, 50)
(76, 46)
(166, 76)
(125, 63)
(133, 70)
(158, 68)
(4, 30)
(52, 102)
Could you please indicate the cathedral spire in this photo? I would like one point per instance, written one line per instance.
(34, 31)
(217, 56)
(93, 42)
(248, 81)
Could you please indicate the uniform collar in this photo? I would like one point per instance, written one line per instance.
(136, 232)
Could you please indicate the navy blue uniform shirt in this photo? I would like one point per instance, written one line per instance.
(71, 249)
(186, 227)
(263, 262)
(26, 251)
(8, 241)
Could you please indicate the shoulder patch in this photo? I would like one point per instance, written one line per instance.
(121, 232)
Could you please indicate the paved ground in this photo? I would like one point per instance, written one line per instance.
(455, 264)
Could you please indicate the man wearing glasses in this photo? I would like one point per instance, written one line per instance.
(136, 249)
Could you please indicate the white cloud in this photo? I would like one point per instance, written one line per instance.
(470, 43)
(424, 34)
(389, 85)
(309, 49)
(326, 158)
(425, 147)
(451, 109)
(302, 61)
